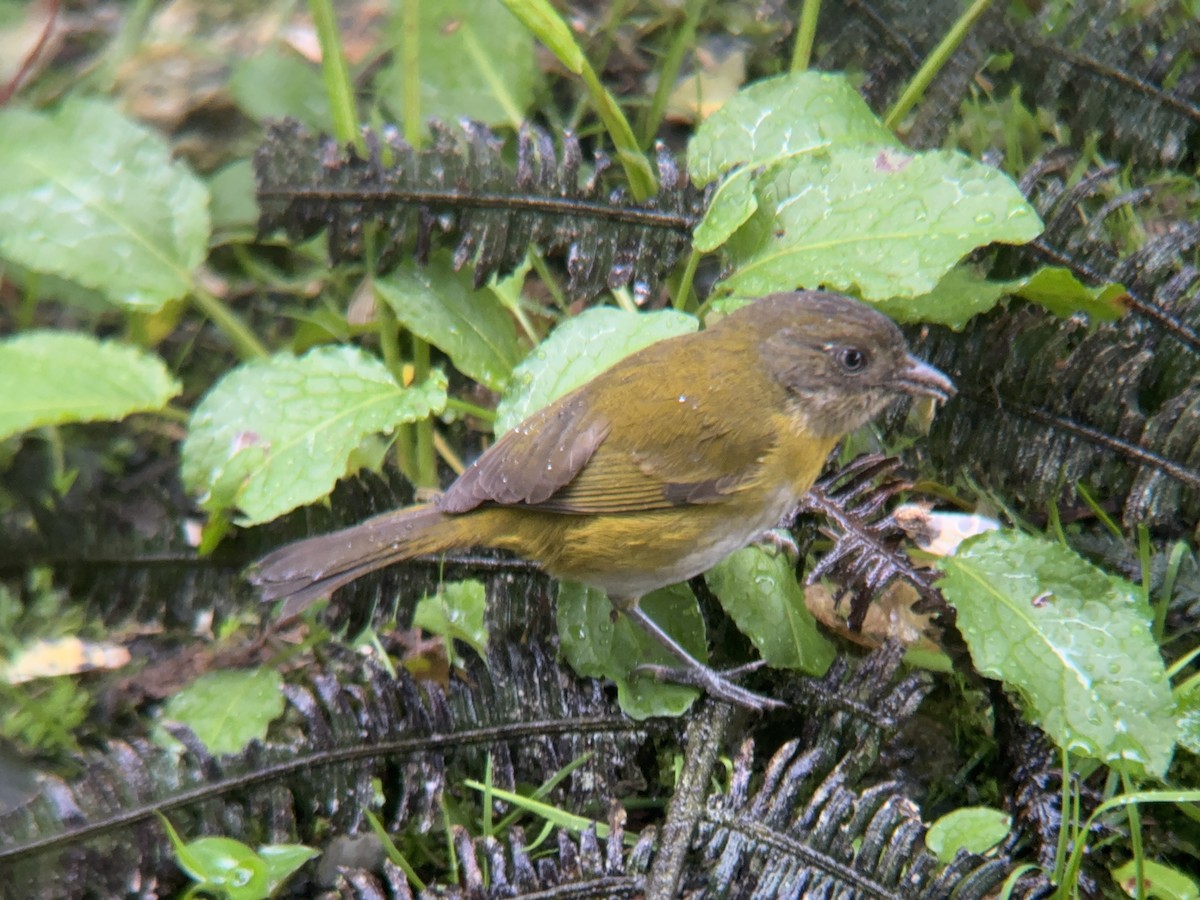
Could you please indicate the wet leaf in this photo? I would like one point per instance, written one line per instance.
(275, 434)
(89, 195)
(51, 378)
(1072, 639)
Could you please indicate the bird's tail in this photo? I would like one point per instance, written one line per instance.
(307, 570)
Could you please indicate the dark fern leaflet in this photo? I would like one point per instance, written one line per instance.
(459, 189)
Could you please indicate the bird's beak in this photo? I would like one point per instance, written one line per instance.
(921, 379)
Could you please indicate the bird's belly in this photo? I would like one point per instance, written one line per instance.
(630, 555)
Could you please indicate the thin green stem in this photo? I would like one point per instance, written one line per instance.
(246, 341)
(410, 43)
(1174, 562)
(806, 33)
(548, 26)
(683, 296)
(1135, 838)
(625, 300)
(337, 75)
(425, 456)
(684, 40)
(1066, 823)
(643, 183)
(470, 409)
(548, 279)
(937, 59)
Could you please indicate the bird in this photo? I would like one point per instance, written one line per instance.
(656, 469)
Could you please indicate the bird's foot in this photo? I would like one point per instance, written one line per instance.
(716, 684)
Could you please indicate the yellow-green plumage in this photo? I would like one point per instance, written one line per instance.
(657, 468)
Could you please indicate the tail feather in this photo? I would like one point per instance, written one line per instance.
(307, 570)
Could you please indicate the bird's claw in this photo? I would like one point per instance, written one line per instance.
(715, 684)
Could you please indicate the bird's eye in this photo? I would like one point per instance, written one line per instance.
(852, 359)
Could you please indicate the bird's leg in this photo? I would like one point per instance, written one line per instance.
(693, 672)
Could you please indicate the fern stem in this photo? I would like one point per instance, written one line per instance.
(683, 40)
(246, 341)
(806, 33)
(336, 75)
(941, 54)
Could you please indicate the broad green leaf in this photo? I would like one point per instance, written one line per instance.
(278, 84)
(221, 865)
(781, 117)
(232, 192)
(229, 709)
(759, 590)
(476, 61)
(89, 195)
(1072, 639)
(1061, 292)
(283, 860)
(598, 647)
(275, 434)
(963, 293)
(1159, 882)
(730, 208)
(471, 327)
(227, 868)
(580, 349)
(975, 829)
(877, 221)
(455, 611)
(54, 377)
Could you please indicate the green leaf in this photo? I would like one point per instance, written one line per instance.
(961, 294)
(1189, 719)
(730, 208)
(282, 861)
(229, 709)
(758, 589)
(471, 327)
(975, 829)
(1159, 882)
(275, 434)
(874, 220)
(227, 868)
(89, 195)
(1058, 290)
(580, 349)
(51, 377)
(476, 62)
(455, 611)
(220, 865)
(278, 84)
(782, 117)
(1072, 639)
(964, 293)
(232, 192)
(597, 647)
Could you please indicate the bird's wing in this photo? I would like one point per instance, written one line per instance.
(567, 459)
